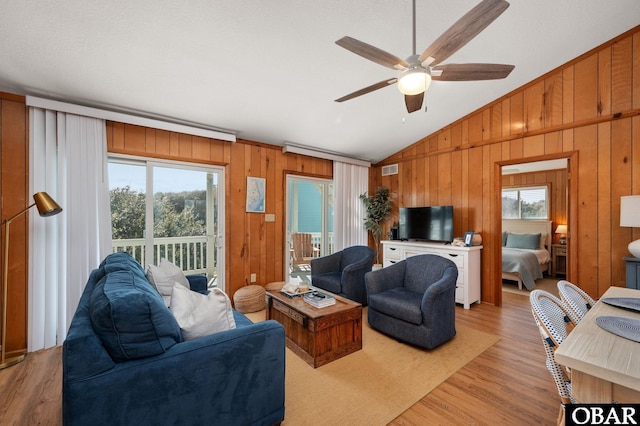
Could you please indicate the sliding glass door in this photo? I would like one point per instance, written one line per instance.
(309, 224)
(169, 210)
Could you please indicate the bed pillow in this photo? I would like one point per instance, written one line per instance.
(543, 241)
(199, 315)
(523, 241)
(504, 238)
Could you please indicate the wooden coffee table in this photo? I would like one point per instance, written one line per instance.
(318, 335)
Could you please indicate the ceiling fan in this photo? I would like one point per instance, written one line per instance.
(418, 71)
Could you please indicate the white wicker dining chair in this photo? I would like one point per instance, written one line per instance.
(575, 299)
(554, 323)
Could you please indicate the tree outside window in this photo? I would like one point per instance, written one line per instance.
(525, 203)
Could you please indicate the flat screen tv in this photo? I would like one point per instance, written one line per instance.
(434, 223)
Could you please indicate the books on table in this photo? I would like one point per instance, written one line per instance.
(318, 299)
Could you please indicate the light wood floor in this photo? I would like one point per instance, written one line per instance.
(505, 385)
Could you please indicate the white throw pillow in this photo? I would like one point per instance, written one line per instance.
(164, 276)
(199, 315)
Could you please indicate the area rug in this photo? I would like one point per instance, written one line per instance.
(546, 284)
(376, 384)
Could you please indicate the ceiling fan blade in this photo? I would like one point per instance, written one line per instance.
(372, 53)
(471, 72)
(367, 89)
(413, 102)
(463, 31)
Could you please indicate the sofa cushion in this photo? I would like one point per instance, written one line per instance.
(119, 261)
(241, 319)
(398, 303)
(130, 317)
(199, 315)
(82, 346)
(330, 281)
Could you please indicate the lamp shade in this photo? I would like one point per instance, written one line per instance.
(561, 229)
(45, 204)
(630, 211)
(414, 81)
(630, 216)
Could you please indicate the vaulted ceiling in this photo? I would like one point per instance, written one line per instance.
(269, 71)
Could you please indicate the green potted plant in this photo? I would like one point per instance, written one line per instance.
(378, 208)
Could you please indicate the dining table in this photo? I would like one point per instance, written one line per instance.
(605, 367)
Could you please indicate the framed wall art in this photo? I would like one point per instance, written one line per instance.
(468, 238)
(255, 194)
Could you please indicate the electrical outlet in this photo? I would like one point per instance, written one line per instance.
(253, 278)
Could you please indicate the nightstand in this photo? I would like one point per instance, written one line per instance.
(633, 272)
(558, 260)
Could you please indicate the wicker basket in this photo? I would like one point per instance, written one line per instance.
(275, 286)
(249, 299)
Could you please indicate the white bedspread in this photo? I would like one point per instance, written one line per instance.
(542, 255)
(526, 263)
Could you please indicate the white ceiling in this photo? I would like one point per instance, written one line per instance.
(270, 70)
(535, 166)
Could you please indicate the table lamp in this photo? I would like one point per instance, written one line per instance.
(46, 207)
(630, 216)
(562, 230)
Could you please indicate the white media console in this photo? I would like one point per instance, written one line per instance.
(467, 259)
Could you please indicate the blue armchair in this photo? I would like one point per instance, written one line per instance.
(414, 300)
(342, 273)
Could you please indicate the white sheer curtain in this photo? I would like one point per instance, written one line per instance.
(68, 160)
(349, 182)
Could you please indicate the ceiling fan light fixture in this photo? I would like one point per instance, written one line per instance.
(414, 81)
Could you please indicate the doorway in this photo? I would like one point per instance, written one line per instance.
(169, 210)
(309, 224)
(562, 206)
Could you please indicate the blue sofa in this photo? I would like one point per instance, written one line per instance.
(125, 362)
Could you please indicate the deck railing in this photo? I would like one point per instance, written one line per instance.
(189, 253)
(316, 238)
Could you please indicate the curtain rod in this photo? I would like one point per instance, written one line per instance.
(128, 118)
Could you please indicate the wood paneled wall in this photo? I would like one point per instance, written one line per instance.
(14, 166)
(587, 110)
(252, 245)
(556, 180)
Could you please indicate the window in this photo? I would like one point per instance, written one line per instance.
(169, 210)
(525, 203)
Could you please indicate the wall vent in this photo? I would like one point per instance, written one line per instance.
(391, 169)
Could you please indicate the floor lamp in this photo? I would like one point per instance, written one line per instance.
(46, 207)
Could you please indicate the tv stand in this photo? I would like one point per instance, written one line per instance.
(467, 259)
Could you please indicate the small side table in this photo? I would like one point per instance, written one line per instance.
(558, 260)
(633, 272)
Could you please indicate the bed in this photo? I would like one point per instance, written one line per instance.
(525, 256)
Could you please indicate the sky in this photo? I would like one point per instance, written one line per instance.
(165, 179)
